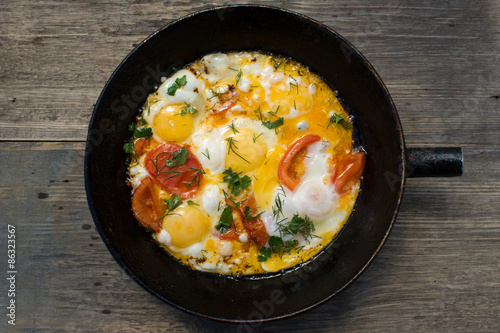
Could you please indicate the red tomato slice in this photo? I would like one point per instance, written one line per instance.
(254, 227)
(286, 172)
(183, 179)
(348, 171)
(141, 145)
(147, 205)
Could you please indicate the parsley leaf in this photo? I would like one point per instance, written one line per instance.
(145, 132)
(273, 124)
(173, 202)
(188, 108)
(179, 82)
(178, 157)
(235, 183)
(338, 120)
(129, 148)
(265, 253)
(225, 220)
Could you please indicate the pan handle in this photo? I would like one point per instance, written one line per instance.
(434, 162)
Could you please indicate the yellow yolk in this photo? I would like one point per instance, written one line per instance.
(266, 178)
(246, 150)
(169, 125)
(187, 226)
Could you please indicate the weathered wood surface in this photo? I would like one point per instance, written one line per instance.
(440, 268)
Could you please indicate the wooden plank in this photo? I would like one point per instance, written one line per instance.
(438, 270)
(438, 60)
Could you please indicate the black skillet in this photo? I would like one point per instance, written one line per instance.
(257, 298)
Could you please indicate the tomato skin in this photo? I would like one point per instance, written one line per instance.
(141, 145)
(254, 227)
(285, 166)
(181, 179)
(147, 205)
(348, 171)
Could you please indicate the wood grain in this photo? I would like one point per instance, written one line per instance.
(440, 268)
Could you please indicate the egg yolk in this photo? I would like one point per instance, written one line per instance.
(186, 226)
(171, 126)
(246, 150)
(266, 178)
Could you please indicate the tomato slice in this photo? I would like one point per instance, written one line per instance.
(141, 145)
(288, 165)
(348, 171)
(147, 205)
(255, 227)
(175, 168)
(237, 227)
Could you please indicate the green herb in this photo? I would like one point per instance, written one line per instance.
(238, 77)
(293, 85)
(178, 157)
(196, 177)
(179, 82)
(275, 113)
(236, 184)
(301, 225)
(206, 153)
(214, 94)
(265, 253)
(276, 246)
(276, 63)
(233, 128)
(256, 137)
(142, 121)
(338, 120)
(258, 113)
(173, 202)
(273, 124)
(248, 214)
(129, 148)
(188, 108)
(192, 203)
(278, 203)
(145, 132)
(232, 146)
(225, 220)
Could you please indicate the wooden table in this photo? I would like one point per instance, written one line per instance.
(440, 268)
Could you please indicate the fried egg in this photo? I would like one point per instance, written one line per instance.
(243, 163)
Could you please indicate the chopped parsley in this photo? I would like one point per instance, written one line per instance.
(188, 108)
(236, 184)
(178, 157)
(179, 82)
(128, 148)
(338, 120)
(225, 220)
(276, 246)
(273, 124)
(144, 132)
(173, 202)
